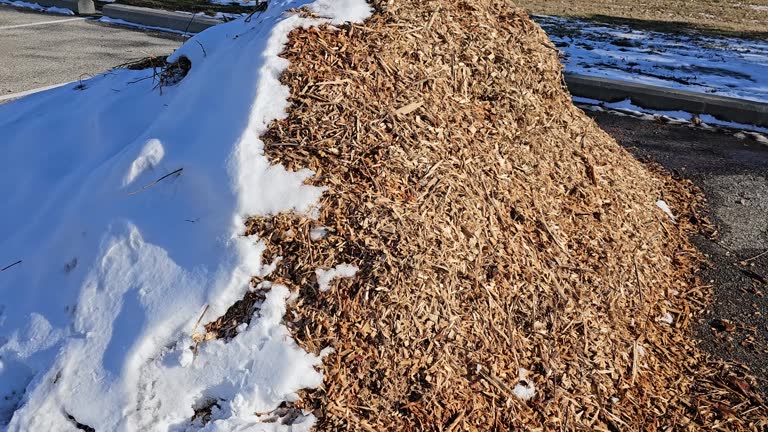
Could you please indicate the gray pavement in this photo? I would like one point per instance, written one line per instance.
(41, 50)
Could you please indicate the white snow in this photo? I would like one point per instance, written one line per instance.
(724, 66)
(96, 319)
(667, 318)
(524, 389)
(325, 277)
(318, 233)
(37, 7)
(665, 208)
(681, 117)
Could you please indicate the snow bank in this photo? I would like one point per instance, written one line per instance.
(119, 258)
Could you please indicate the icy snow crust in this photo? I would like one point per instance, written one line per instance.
(95, 321)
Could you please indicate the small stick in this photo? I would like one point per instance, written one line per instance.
(756, 256)
(201, 317)
(725, 247)
(178, 171)
(205, 54)
(9, 266)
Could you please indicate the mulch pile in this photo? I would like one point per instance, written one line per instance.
(514, 269)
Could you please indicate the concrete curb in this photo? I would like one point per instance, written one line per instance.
(662, 98)
(80, 7)
(159, 18)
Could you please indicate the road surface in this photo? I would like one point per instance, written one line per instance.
(38, 50)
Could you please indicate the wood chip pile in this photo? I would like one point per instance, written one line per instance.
(514, 269)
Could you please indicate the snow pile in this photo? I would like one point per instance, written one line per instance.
(125, 207)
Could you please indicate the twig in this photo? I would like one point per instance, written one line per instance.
(198, 339)
(177, 172)
(725, 247)
(9, 266)
(756, 276)
(205, 54)
(189, 24)
(635, 355)
(201, 318)
(142, 79)
(756, 257)
(637, 278)
(257, 11)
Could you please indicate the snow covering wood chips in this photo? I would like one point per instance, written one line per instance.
(124, 209)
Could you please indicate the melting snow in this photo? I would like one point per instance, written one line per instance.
(324, 277)
(667, 318)
(318, 233)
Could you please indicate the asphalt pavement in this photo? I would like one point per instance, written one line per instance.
(39, 50)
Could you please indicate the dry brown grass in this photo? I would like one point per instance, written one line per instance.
(496, 228)
(746, 18)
